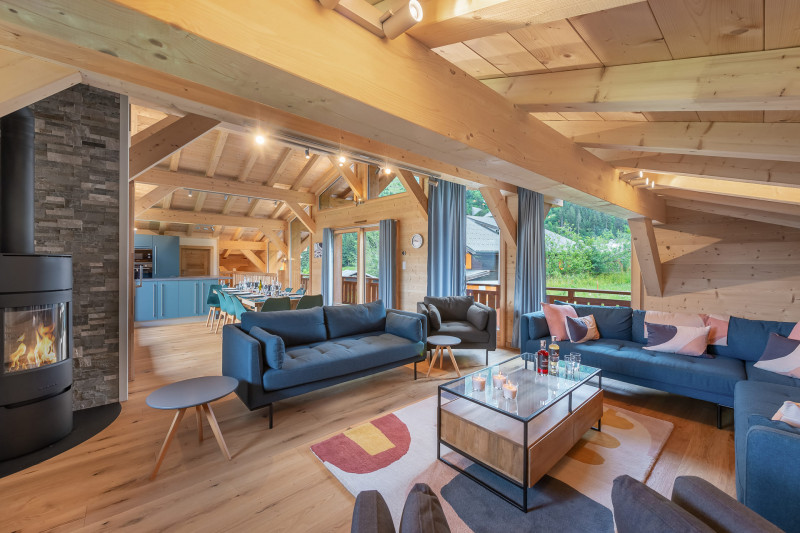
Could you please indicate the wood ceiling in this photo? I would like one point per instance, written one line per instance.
(689, 92)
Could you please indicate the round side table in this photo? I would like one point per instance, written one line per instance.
(441, 342)
(183, 395)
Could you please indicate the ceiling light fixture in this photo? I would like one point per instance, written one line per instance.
(342, 160)
(260, 139)
(134, 228)
(647, 181)
(387, 170)
(190, 193)
(398, 21)
(641, 174)
(308, 154)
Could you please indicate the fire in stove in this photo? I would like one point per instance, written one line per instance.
(38, 352)
(34, 336)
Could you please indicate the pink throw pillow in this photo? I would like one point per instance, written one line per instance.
(556, 316)
(794, 335)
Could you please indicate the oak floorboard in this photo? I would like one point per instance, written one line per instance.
(273, 480)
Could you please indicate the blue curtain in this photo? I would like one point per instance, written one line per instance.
(530, 277)
(447, 239)
(387, 263)
(327, 266)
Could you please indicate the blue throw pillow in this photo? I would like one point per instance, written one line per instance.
(274, 349)
(748, 338)
(303, 326)
(637, 331)
(613, 322)
(346, 320)
(781, 356)
(404, 326)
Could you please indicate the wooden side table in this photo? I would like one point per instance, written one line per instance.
(441, 342)
(183, 395)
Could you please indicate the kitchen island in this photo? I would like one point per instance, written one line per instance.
(175, 297)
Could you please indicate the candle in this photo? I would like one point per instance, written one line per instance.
(498, 380)
(478, 383)
(509, 391)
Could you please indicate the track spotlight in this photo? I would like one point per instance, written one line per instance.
(308, 154)
(641, 174)
(260, 139)
(135, 228)
(398, 21)
(190, 193)
(387, 170)
(342, 160)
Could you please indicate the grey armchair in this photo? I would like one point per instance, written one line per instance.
(474, 323)
(696, 506)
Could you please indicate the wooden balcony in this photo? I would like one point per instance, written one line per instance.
(588, 296)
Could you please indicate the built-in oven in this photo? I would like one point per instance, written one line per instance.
(143, 255)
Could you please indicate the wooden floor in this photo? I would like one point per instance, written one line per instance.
(273, 482)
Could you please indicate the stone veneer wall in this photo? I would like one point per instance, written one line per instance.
(77, 212)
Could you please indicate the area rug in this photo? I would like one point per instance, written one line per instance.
(391, 453)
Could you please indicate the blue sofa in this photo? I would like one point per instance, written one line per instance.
(283, 354)
(767, 452)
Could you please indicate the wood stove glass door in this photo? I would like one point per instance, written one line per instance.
(34, 336)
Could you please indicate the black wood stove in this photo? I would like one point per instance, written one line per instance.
(35, 309)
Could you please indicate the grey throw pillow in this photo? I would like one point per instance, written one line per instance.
(478, 317)
(423, 512)
(273, 346)
(435, 317)
(638, 508)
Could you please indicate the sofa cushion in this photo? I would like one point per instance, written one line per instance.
(686, 340)
(758, 374)
(582, 329)
(755, 403)
(556, 316)
(637, 508)
(478, 316)
(371, 514)
(637, 326)
(781, 356)
(435, 317)
(451, 307)
(344, 320)
(613, 322)
(273, 347)
(748, 338)
(627, 358)
(404, 326)
(464, 331)
(294, 327)
(339, 357)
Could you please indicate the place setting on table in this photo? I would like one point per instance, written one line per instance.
(252, 293)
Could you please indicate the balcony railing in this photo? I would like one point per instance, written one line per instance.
(350, 290)
(588, 296)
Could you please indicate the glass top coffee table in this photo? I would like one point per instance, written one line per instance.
(517, 439)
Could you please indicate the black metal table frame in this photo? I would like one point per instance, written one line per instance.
(525, 421)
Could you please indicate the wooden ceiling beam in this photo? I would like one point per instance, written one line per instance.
(148, 152)
(463, 128)
(277, 170)
(772, 141)
(243, 245)
(326, 180)
(279, 243)
(745, 213)
(298, 180)
(350, 177)
(152, 198)
(644, 243)
(502, 215)
(216, 153)
(302, 216)
(411, 185)
(783, 173)
(452, 21)
(732, 82)
(253, 258)
(225, 252)
(250, 162)
(778, 208)
(26, 80)
(223, 186)
(191, 217)
(765, 192)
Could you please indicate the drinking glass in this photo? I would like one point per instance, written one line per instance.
(575, 363)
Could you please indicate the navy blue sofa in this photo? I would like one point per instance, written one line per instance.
(282, 354)
(767, 452)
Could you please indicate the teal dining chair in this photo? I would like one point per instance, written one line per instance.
(237, 308)
(300, 291)
(276, 304)
(212, 301)
(224, 309)
(287, 290)
(310, 300)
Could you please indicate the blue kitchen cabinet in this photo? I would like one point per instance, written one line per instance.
(166, 256)
(145, 303)
(169, 303)
(142, 241)
(188, 298)
(205, 288)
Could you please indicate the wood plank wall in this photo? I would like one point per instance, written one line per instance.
(401, 207)
(717, 264)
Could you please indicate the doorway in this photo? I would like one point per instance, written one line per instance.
(195, 261)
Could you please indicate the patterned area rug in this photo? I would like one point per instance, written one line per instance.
(393, 452)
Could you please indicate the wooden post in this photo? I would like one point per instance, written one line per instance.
(337, 268)
(644, 242)
(362, 266)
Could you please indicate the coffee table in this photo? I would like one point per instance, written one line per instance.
(519, 439)
(441, 342)
(197, 393)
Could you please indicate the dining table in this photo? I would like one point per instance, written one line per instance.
(254, 300)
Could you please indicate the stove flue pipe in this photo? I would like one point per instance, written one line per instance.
(16, 182)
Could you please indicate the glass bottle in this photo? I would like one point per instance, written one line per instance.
(541, 357)
(554, 353)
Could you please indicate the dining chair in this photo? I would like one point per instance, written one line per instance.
(276, 304)
(224, 309)
(237, 308)
(287, 290)
(307, 301)
(300, 291)
(212, 301)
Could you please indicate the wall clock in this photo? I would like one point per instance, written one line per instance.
(416, 240)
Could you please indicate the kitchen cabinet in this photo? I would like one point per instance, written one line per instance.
(143, 241)
(166, 256)
(179, 298)
(145, 301)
